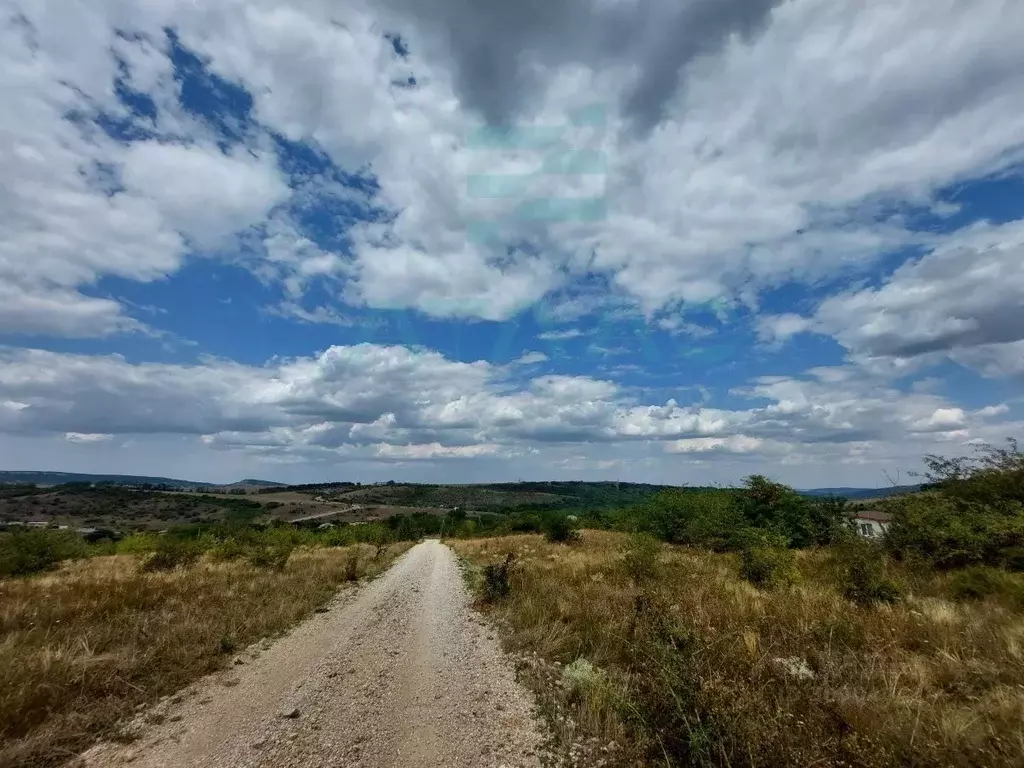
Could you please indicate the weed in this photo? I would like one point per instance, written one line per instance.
(352, 566)
(171, 553)
(978, 583)
(273, 556)
(558, 529)
(766, 562)
(640, 559)
(862, 569)
(496, 584)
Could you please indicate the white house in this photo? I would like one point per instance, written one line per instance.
(871, 524)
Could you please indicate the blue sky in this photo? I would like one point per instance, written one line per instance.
(304, 243)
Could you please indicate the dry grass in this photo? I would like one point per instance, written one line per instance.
(690, 669)
(83, 647)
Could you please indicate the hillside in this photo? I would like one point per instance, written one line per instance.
(59, 478)
(492, 497)
(863, 493)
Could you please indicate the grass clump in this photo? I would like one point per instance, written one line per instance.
(981, 583)
(172, 552)
(862, 572)
(496, 583)
(641, 557)
(765, 561)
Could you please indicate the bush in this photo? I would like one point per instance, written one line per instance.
(40, 549)
(352, 566)
(862, 572)
(171, 553)
(558, 529)
(955, 533)
(640, 559)
(973, 513)
(274, 555)
(1013, 559)
(496, 584)
(138, 544)
(802, 521)
(977, 583)
(765, 560)
(229, 549)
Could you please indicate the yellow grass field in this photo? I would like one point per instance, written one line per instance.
(685, 663)
(81, 648)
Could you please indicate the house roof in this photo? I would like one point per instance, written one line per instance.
(873, 516)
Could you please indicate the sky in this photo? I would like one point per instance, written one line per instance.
(673, 241)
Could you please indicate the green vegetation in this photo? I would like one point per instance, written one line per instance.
(34, 550)
(862, 572)
(765, 561)
(753, 627)
(972, 514)
(559, 529)
(500, 498)
(668, 655)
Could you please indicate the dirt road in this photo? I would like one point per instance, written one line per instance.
(330, 513)
(397, 673)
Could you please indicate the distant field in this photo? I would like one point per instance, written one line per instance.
(494, 497)
(121, 508)
(125, 509)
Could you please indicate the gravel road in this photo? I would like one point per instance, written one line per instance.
(399, 672)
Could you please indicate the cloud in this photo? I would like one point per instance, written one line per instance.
(41, 311)
(777, 328)
(500, 78)
(78, 437)
(566, 335)
(731, 444)
(793, 135)
(374, 403)
(963, 299)
(201, 192)
(531, 358)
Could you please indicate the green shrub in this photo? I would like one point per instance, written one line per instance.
(862, 572)
(802, 521)
(38, 549)
(274, 555)
(1013, 559)
(352, 566)
(138, 544)
(977, 583)
(558, 529)
(496, 583)
(765, 561)
(172, 552)
(640, 559)
(954, 533)
(229, 549)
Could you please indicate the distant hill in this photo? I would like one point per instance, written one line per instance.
(59, 478)
(863, 493)
(251, 483)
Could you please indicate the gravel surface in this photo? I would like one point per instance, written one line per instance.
(399, 672)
